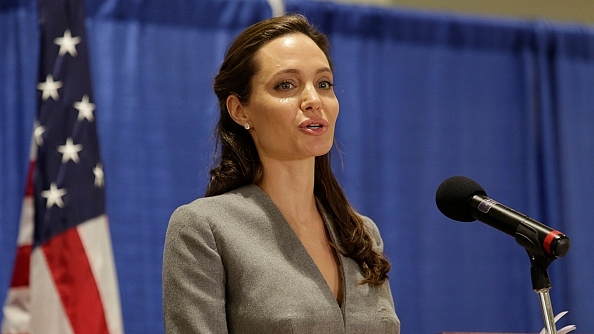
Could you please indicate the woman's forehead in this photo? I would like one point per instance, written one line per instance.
(290, 50)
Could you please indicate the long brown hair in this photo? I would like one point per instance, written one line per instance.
(238, 160)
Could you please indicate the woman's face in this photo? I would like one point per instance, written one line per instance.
(292, 109)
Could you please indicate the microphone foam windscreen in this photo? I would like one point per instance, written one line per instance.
(453, 196)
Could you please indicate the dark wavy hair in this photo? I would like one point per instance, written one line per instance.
(238, 160)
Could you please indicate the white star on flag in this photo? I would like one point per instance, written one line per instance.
(85, 108)
(50, 88)
(67, 44)
(54, 196)
(98, 171)
(64, 278)
(38, 133)
(70, 151)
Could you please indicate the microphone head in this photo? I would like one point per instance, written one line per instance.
(453, 196)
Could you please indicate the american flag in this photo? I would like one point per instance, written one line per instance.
(64, 279)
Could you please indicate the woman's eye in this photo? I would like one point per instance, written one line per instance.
(284, 85)
(325, 85)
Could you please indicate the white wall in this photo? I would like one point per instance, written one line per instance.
(575, 11)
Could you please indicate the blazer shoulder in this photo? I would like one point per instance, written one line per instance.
(374, 232)
(240, 197)
(247, 203)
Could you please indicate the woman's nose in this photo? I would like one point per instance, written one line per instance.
(310, 99)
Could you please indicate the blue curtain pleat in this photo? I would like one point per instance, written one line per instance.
(572, 65)
(423, 96)
(18, 73)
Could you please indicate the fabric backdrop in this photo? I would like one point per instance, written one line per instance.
(423, 96)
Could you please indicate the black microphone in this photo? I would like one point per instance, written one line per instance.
(462, 199)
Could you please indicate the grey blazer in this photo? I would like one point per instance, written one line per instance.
(232, 264)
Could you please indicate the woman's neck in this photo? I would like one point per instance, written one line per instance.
(290, 185)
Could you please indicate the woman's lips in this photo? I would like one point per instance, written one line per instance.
(314, 126)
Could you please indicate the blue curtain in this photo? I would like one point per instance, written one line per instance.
(423, 97)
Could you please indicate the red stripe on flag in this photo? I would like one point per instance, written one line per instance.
(75, 282)
(20, 275)
(29, 187)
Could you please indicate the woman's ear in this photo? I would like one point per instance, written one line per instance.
(236, 110)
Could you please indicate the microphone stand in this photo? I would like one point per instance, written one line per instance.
(540, 261)
(541, 284)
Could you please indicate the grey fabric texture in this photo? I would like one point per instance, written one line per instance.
(232, 264)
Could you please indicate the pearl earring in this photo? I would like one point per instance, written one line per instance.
(246, 126)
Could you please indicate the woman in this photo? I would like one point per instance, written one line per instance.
(274, 246)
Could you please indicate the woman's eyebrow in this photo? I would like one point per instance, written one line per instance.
(294, 71)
